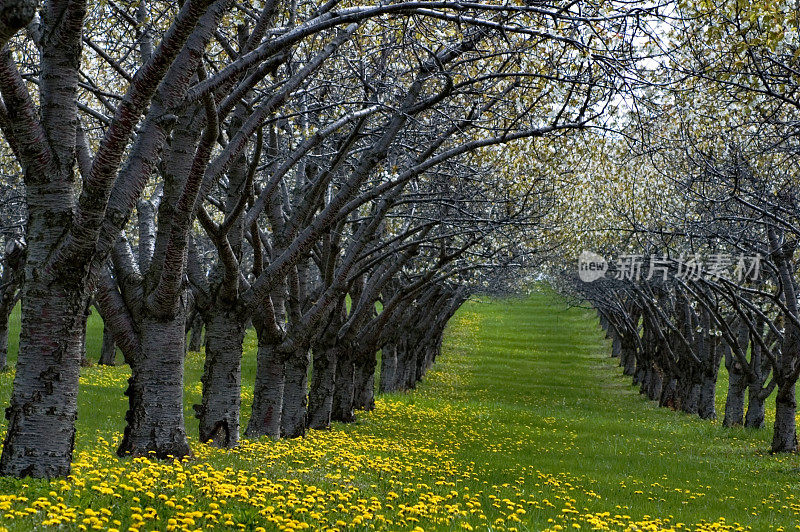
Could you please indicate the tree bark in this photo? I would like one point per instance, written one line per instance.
(388, 380)
(668, 392)
(323, 379)
(3, 343)
(628, 359)
(706, 408)
(108, 351)
(402, 356)
(155, 422)
(640, 372)
(11, 279)
(691, 401)
(85, 362)
(784, 437)
(616, 344)
(647, 376)
(756, 394)
(413, 373)
(222, 378)
(364, 382)
(44, 406)
(656, 383)
(343, 393)
(429, 353)
(734, 401)
(265, 419)
(196, 333)
(755, 407)
(712, 350)
(295, 394)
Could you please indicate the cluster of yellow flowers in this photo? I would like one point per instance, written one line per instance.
(312, 483)
(328, 480)
(412, 464)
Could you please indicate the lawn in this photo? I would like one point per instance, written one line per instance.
(524, 423)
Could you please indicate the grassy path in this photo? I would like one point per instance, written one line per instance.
(524, 424)
(559, 406)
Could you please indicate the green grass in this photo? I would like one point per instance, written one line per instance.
(524, 423)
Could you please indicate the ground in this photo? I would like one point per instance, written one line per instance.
(524, 423)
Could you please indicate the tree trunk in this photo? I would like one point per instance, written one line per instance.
(712, 350)
(343, 392)
(756, 397)
(656, 383)
(401, 354)
(155, 422)
(707, 408)
(295, 394)
(690, 400)
(44, 407)
(323, 378)
(668, 392)
(640, 372)
(108, 351)
(647, 376)
(616, 344)
(628, 360)
(734, 401)
(196, 333)
(85, 362)
(11, 279)
(3, 344)
(784, 437)
(265, 419)
(388, 380)
(413, 368)
(429, 355)
(222, 378)
(422, 358)
(364, 382)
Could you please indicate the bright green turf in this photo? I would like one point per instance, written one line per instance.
(537, 413)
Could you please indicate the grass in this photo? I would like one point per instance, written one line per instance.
(524, 423)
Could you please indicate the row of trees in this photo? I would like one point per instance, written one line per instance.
(717, 246)
(339, 176)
